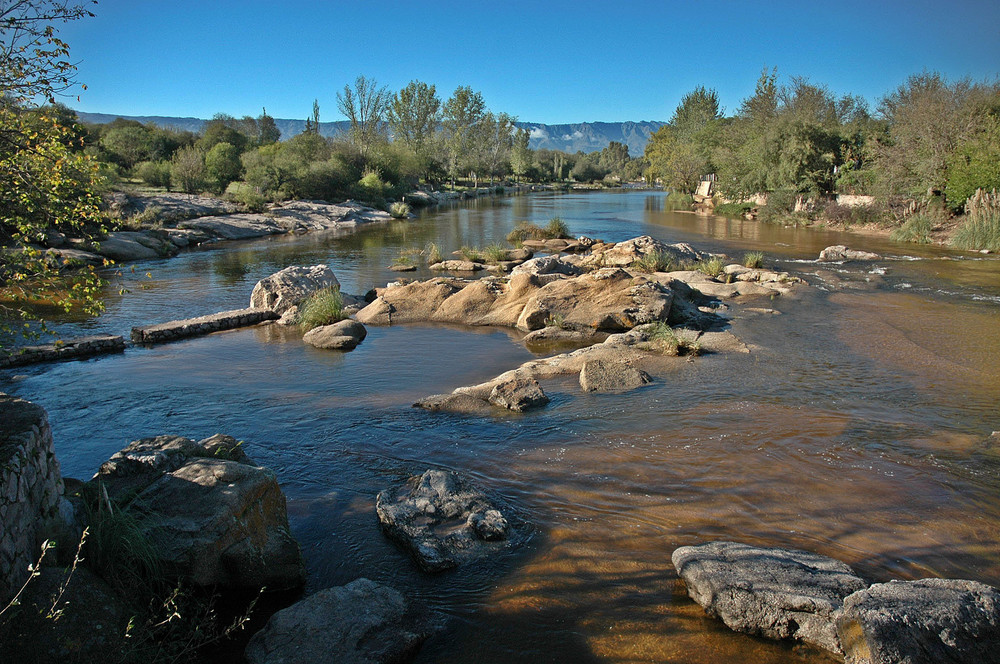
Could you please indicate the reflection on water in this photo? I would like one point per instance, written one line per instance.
(859, 428)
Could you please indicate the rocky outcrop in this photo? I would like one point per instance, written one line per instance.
(360, 623)
(298, 216)
(606, 376)
(839, 252)
(287, 288)
(774, 593)
(547, 265)
(212, 516)
(343, 335)
(444, 520)
(624, 254)
(930, 621)
(519, 394)
(127, 246)
(457, 266)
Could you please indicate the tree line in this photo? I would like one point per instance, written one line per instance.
(930, 139)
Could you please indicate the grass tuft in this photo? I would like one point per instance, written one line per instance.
(663, 339)
(916, 229)
(713, 266)
(324, 307)
(399, 210)
(753, 259)
(981, 229)
(655, 261)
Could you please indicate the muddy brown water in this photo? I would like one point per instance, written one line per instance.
(859, 427)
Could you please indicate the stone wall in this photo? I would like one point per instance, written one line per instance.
(31, 489)
(63, 350)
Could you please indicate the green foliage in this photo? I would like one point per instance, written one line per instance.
(371, 188)
(981, 228)
(365, 106)
(663, 339)
(433, 253)
(713, 266)
(556, 228)
(187, 170)
(154, 173)
(118, 546)
(753, 259)
(655, 261)
(473, 254)
(494, 253)
(246, 196)
(735, 210)
(780, 206)
(324, 307)
(916, 229)
(975, 164)
(854, 215)
(222, 165)
(399, 210)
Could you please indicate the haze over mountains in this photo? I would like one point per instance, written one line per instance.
(577, 137)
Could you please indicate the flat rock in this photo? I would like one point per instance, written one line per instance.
(289, 287)
(607, 376)
(343, 335)
(466, 404)
(234, 226)
(774, 593)
(839, 252)
(518, 395)
(133, 246)
(930, 621)
(360, 623)
(457, 266)
(444, 520)
(546, 265)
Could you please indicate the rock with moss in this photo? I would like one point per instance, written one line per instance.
(211, 515)
(289, 287)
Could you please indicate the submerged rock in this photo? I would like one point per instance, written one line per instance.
(360, 623)
(287, 288)
(922, 622)
(608, 376)
(212, 516)
(444, 520)
(775, 593)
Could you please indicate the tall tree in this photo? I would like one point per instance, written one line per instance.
(365, 106)
(268, 131)
(414, 115)
(521, 158)
(495, 140)
(462, 112)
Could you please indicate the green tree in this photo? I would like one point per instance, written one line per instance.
(521, 157)
(128, 143)
(223, 165)
(680, 152)
(462, 112)
(268, 131)
(414, 115)
(494, 135)
(223, 128)
(365, 106)
(187, 170)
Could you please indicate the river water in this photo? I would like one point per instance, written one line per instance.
(859, 427)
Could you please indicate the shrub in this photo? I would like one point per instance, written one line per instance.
(981, 229)
(556, 228)
(735, 210)
(525, 230)
(847, 215)
(246, 196)
(655, 261)
(371, 188)
(324, 307)
(915, 229)
(495, 253)
(663, 339)
(753, 259)
(154, 173)
(713, 266)
(780, 206)
(188, 170)
(399, 210)
(433, 253)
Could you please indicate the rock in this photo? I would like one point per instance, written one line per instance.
(518, 395)
(360, 623)
(343, 335)
(133, 246)
(775, 593)
(212, 516)
(607, 299)
(922, 622)
(290, 286)
(409, 302)
(603, 376)
(91, 624)
(557, 335)
(546, 265)
(839, 252)
(322, 216)
(455, 403)
(457, 266)
(73, 257)
(234, 226)
(403, 268)
(625, 253)
(444, 520)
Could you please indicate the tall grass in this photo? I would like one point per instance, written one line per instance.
(525, 230)
(433, 253)
(916, 229)
(556, 228)
(981, 229)
(655, 261)
(713, 266)
(399, 210)
(324, 307)
(753, 259)
(662, 338)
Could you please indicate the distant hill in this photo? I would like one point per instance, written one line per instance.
(583, 136)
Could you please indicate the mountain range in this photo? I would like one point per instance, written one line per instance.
(578, 137)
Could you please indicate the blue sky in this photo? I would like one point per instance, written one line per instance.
(551, 62)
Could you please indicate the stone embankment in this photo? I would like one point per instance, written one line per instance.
(64, 350)
(190, 327)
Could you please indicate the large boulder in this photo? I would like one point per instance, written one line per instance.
(931, 621)
(774, 593)
(287, 288)
(360, 623)
(839, 252)
(610, 376)
(546, 265)
(212, 516)
(443, 520)
(518, 395)
(608, 299)
(343, 335)
(628, 252)
(409, 302)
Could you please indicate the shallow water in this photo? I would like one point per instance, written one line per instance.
(859, 427)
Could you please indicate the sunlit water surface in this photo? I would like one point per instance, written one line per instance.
(859, 427)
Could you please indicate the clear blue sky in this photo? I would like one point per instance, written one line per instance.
(544, 61)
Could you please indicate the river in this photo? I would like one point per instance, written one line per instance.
(859, 427)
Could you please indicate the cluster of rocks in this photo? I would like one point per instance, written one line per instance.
(839, 253)
(789, 594)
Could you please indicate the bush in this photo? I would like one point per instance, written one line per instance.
(847, 215)
(556, 228)
(433, 253)
(713, 266)
(188, 170)
(981, 229)
(246, 196)
(399, 210)
(154, 173)
(655, 261)
(663, 339)
(734, 210)
(780, 206)
(753, 259)
(525, 230)
(916, 229)
(371, 188)
(324, 307)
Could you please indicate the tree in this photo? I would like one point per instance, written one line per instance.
(521, 158)
(365, 106)
(268, 131)
(680, 152)
(414, 115)
(495, 139)
(222, 165)
(187, 170)
(47, 185)
(463, 110)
